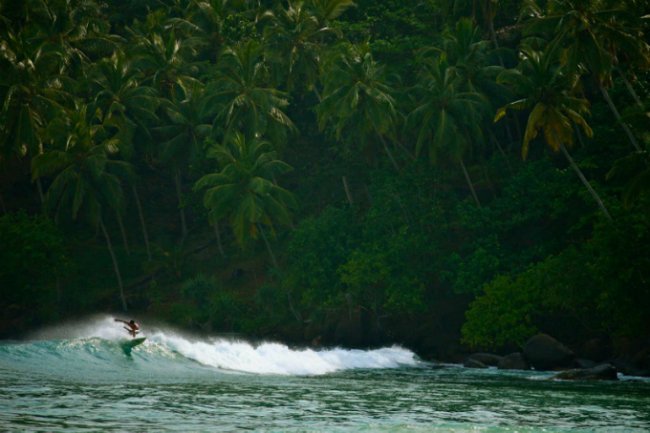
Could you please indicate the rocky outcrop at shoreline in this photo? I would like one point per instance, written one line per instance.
(542, 352)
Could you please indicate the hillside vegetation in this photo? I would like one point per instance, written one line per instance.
(448, 175)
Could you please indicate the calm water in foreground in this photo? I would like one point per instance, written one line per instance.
(87, 381)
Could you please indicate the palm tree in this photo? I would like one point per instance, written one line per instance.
(128, 107)
(43, 47)
(326, 11)
(244, 191)
(592, 35)
(358, 101)
(489, 11)
(165, 59)
(447, 120)
(472, 60)
(183, 137)
(125, 102)
(31, 93)
(241, 97)
(84, 183)
(546, 90)
(208, 17)
(295, 39)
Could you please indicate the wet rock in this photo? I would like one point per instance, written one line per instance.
(544, 352)
(599, 372)
(473, 363)
(486, 358)
(514, 361)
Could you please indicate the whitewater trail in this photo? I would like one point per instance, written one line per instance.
(99, 337)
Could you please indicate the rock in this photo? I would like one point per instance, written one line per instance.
(599, 349)
(642, 359)
(599, 372)
(514, 361)
(544, 352)
(473, 363)
(486, 358)
(633, 357)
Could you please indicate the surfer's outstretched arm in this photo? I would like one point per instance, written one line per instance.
(131, 327)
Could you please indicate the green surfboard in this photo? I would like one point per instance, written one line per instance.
(128, 345)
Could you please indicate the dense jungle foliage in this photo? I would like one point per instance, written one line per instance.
(443, 174)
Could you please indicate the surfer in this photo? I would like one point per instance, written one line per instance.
(131, 327)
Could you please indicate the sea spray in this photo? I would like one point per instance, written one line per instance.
(175, 382)
(276, 358)
(97, 338)
(100, 326)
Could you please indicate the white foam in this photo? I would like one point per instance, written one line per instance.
(276, 358)
(243, 356)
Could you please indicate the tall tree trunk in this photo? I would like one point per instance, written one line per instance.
(502, 152)
(585, 182)
(614, 110)
(116, 266)
(579, 135)
(143, 226)
(469, 182)
(489, 15)
(2, 204)
(346, 188)
(406, 151)
(41, 196)
(125, 241)
(217, 233)
(389, 153)
(629, 88)
(268, 245)
(275, 265)
(181, 205)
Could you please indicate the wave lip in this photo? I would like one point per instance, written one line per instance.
(276, 358)
(99, 340)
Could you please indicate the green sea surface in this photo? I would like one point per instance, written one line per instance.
(178, 383)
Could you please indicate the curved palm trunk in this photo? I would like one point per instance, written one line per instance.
(585, 182)
(493, 37)
(275, 264)
(181, 207)
(125, 241)
(346, 188)
(389, 153)
(41, 196)
(145, 234)
(629, 88)
(217, 233)
(614, 110)
(116, 266)
(268, 245)
(469, 182)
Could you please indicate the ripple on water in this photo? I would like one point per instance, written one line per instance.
(91, 385)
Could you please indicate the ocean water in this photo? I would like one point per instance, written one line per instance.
(82, 378)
